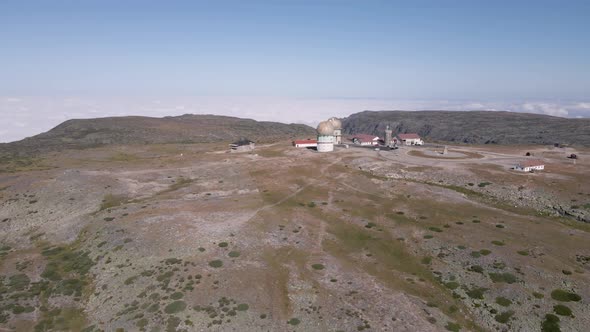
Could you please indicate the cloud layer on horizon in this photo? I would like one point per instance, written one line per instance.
(22, 117)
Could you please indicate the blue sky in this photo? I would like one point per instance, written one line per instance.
(473, 51)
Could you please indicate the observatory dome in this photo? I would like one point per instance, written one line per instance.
(325, 128)
(337, 124)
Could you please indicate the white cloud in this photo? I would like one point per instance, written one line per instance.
(11, 99)
(545, 108)
(475, 106)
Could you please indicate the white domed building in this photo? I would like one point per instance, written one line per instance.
(325, 136)
(337, 124)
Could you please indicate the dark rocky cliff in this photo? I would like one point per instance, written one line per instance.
(475, 127)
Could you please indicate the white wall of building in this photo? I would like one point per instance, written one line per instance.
(337, 136)
(413, 141)
(530, 168)
(325, 143)
(306, 145)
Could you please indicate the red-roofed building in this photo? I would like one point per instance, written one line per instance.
(530, 165)
(410, 139)
(305, 143)
(363, 139)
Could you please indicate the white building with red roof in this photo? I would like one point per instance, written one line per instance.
(363, 139)
(409, 139)
(305, 143)
(530, 165)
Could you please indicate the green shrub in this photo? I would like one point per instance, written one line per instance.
(174, 307)
(242, 307)
(142, 323)
(172, 323)
(498, 243)
(428, 236)
(18, 309)
(504, 317)
(130, 280)
(234, 254)
(454, 327)
(177, 296)
(294, 321)
(165, 276)
(476, 268)
(562, 310)
(476, 293)
(538, 295)
(565, 296)
(216, 263)
(485, 252)
(503, 301)
(223, 244)
(452, 285)
(153, 308)
(550, 324)
(435, 229)
(318, 266)
(172, 261)
(18, 282)
(51, 272)
(523, 252)
(503, 277)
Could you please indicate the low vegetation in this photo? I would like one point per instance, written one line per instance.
(565, 296)
(110, 201)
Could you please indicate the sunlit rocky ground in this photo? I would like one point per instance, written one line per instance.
(189, 238)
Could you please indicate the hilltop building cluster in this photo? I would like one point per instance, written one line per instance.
(329, 133)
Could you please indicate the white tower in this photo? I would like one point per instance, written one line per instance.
(337, 124)
(325, 137)
(388, 133)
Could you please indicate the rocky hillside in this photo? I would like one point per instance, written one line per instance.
(476, 127)
(146, 130)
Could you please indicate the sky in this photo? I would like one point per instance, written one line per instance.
(287, 60)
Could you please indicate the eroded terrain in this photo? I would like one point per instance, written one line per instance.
(190, 238)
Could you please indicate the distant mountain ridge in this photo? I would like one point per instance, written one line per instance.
(473, 127)
(188, 128)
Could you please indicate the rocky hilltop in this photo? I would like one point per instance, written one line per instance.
(146, 130)
(474, 127)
